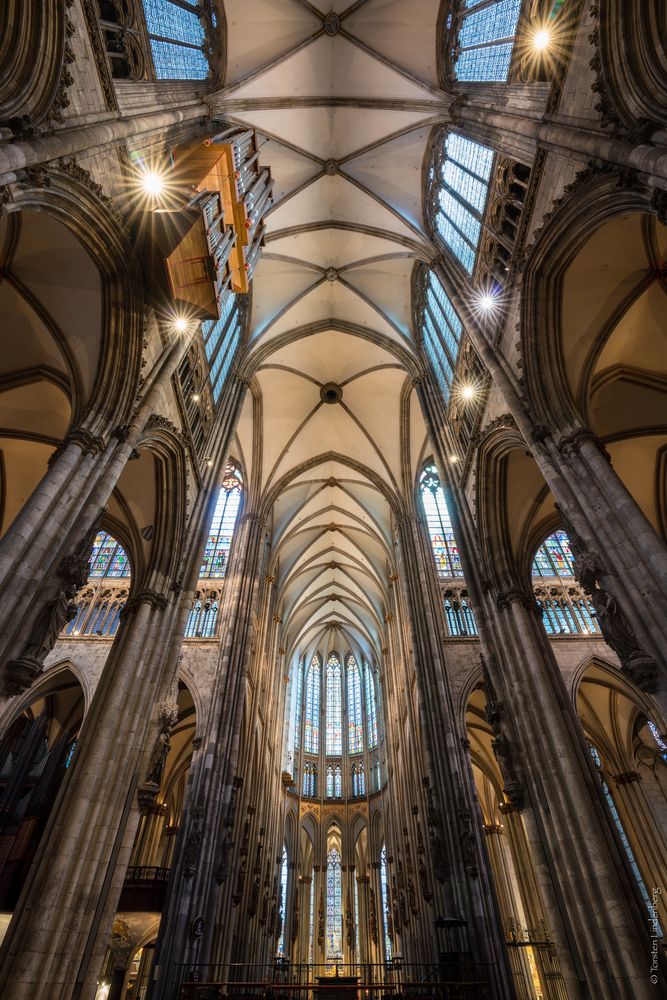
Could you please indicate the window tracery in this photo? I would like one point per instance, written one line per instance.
(481, 39)
(445, 549)
(358, 780)
(458, 188)
(566, 608)
(441, 331)
(384, 888)
(311, 742)
(334, 937)
(177, 39)
(334, 733)
(459, 614)
(354, 713)
(203, 618)
(219, 541)
(310, 779)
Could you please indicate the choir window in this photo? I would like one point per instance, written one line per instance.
(334, 941)
(309, 779)
(358, 780)
(445, 549)
(219, 542)
(354, 714)
(334, 706)
(177, 39)
(99, 604)
(486, 34)
(311, 742)
(108, 558)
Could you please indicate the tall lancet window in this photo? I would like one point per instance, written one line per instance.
(283, 902)
(458, 185)
(311, 742)
(445, 549)
(334, 938)
(485, 39)
(177, 39)
(221, 342)
(384, 887)
(100, 603)
(334, 741)
(566, 608)
(371, 710)
(354, 713)
(441, 332)
(219, 542)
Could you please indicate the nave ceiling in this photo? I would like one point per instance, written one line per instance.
(344, 121)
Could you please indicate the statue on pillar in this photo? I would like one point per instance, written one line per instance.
(615, 627)
(72, 575)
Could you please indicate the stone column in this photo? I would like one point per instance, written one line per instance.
(57, 939)
(201, 869)
(461, 885)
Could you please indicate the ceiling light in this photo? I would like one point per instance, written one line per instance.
(468, 391)
(152, 183)
(195, 397)
(180, 324)
(541, 39)
(453, 459)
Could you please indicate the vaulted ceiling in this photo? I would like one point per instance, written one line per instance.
(344, 102)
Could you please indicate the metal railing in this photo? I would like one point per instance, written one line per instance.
(332, 981)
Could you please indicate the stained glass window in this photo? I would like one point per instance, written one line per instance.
(334, 941)
(358, 780)
(385, 901)
(298, 695)
(176, 36)
(445, 549)
(309, 779)
(460, 617)
(554, 557)
(486, 40)
(221, 341)
(108, 558)
(595, 754)
(655, 733)
(216, 553)
(203, 619)
(354, 713)
(311, 741)
(334, 738)
(371, 713)
(283, 901)
(462, 188)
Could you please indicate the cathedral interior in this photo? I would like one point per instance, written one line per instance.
(333, 482)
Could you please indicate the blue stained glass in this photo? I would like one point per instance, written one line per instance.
(371, 711)
(471, 155)
(178, 62)
(309, 779)
(168, 20)
(297, 706)
(311, 742)
(334, 937)
(334, 732)
(471, 188)
(441, 365)
(490, 64)
(354, 714)
(486, 41)
(447, 308)
(452, 237)
(221, 531)
(212, 331)
(463, 219)
(446, 334)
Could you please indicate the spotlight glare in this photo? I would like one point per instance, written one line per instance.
(453, 459)
(468, 391)
(195, 397)
(152, 183)
(180, 324)
(487, 302)
(541, 39)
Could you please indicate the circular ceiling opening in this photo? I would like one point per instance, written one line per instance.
(331, 393)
